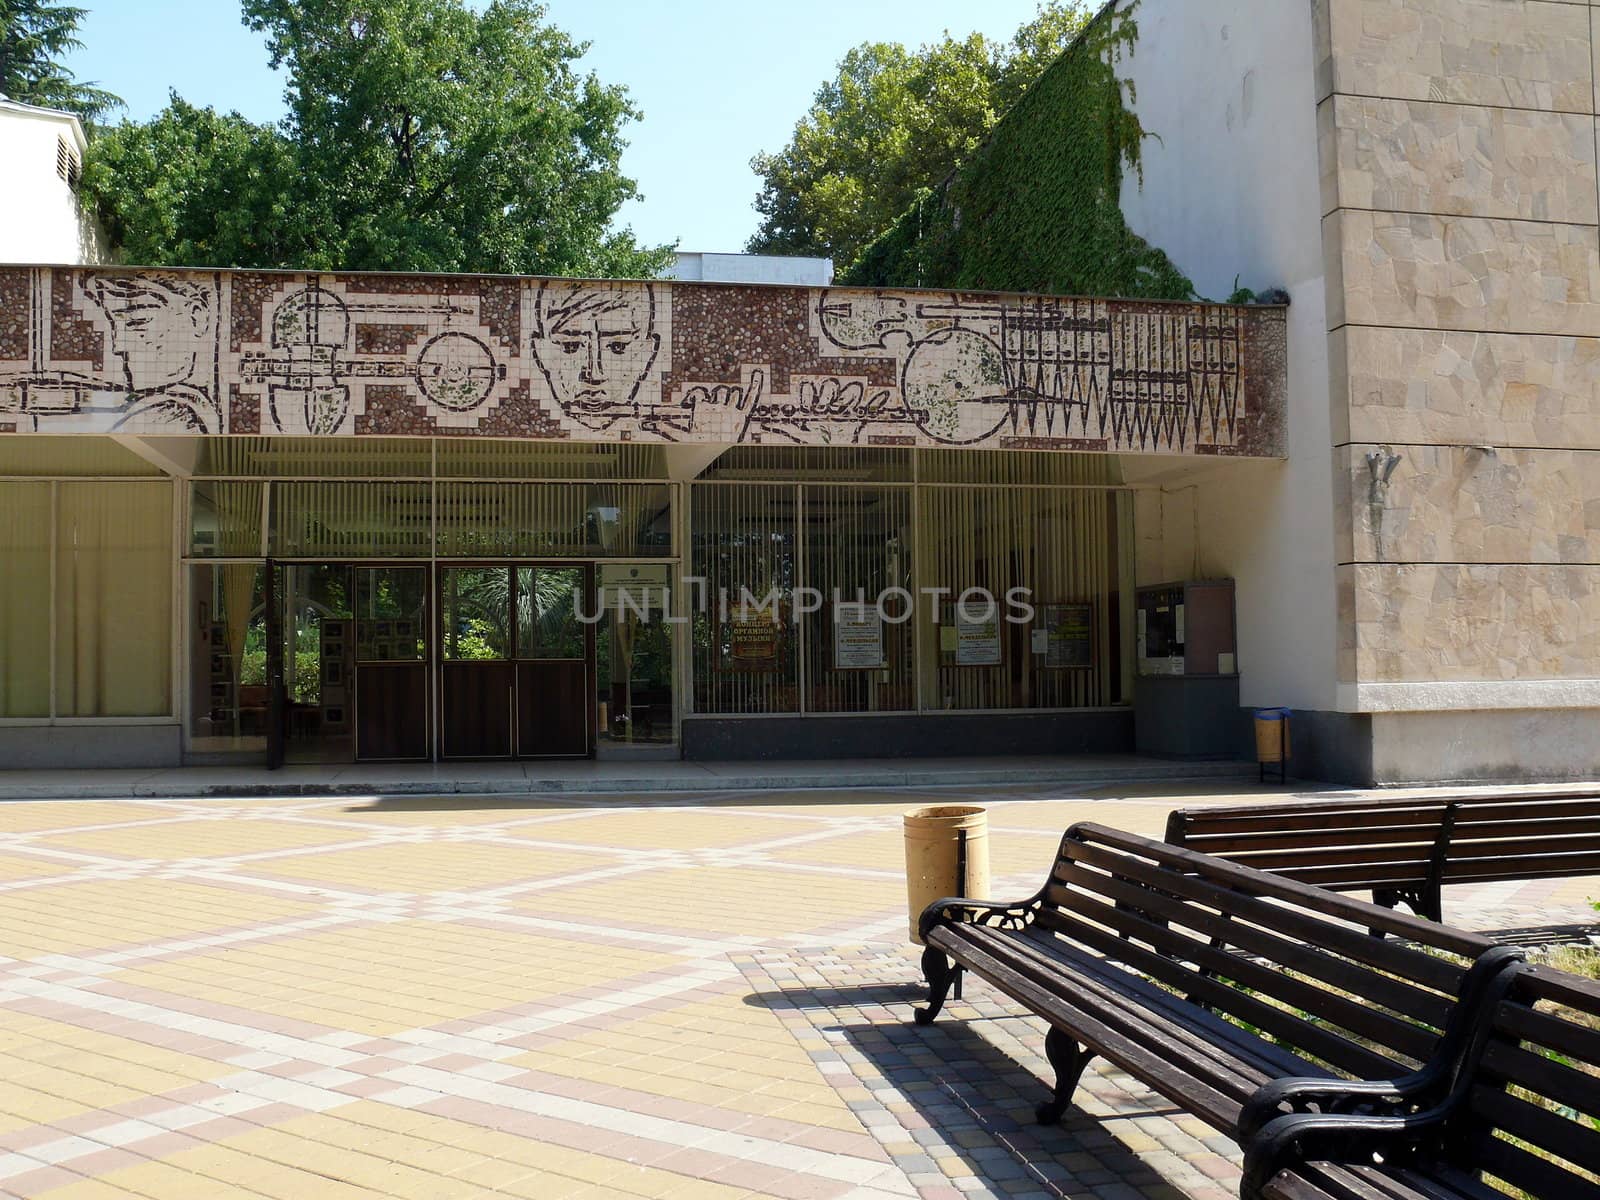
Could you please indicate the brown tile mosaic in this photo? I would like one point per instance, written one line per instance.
(401, 355)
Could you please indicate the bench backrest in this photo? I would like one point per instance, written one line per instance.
(1532, 1116)
(1294, 962)
(1353, 845)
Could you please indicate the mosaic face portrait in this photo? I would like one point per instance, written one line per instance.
(160, 327)
(595, 347)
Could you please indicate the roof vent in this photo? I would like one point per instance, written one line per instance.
(67, 164)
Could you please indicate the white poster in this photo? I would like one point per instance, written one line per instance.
(857, 638)
(643, 589)
(978, 642)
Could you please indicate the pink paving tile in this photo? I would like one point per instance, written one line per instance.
(32, 1183)
(697, 1164)
(775, 1181)
(455, 1062)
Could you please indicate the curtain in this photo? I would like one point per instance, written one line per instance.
(114, 616)
(25, 600)
(238, 591)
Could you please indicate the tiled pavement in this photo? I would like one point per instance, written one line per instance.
(692, 997)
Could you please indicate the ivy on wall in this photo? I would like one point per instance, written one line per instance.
(1037, 207)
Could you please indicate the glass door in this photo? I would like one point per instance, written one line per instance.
(555, 656)
(316, 663)
(390, 663)
(633, 661)
(477, 675)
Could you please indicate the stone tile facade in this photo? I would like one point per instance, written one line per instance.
(1462, 243)
(1451, 622)
(1451, 159)
(1524, 54)
(152, 352)
(1469, 504)
(1432, 386)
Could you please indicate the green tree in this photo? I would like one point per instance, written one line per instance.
(34, 35)
(892, 122)
(422, 135)
(193, 187)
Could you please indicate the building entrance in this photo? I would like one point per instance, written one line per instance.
(350, 654)
(516, 669)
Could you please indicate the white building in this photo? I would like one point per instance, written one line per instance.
(41, 158)
(694, 266)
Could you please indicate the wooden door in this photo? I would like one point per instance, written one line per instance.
(477, 671)
(476, 700)
(555, 662)
(391, 663)
(392, 710)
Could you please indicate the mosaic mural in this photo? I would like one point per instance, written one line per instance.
(156, 352)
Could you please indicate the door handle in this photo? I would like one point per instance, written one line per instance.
(511, 717)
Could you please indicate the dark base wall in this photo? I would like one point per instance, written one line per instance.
(936, 735)
(61, 746)
(1329, 747)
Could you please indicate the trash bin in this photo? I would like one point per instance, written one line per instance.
(947, 854)
(1272, 741)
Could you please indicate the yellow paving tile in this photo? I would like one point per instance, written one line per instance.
(73, 917)
(22, 816)
(444, 812)
(725, 900)
(431, 867)
(671, 830)
(18, 865)
(199, 838)
(376, 979)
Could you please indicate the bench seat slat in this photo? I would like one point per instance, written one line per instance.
(1361, 1019)
(1137, 1059)
(1300, 1035)
(1218, 1054)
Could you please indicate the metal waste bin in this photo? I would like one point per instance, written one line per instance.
(1272, 741)
(947, 854)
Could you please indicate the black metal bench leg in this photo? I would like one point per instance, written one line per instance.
(1069, 1060)
(940, 975)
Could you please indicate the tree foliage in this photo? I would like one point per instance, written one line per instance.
(891, 122)
(1037, 207)
(34, 35)
(422, 135)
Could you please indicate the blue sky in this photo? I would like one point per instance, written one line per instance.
(718, 80)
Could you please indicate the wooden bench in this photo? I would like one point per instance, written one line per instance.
(1404, 849)
(1207, 980)
(1523, 1116)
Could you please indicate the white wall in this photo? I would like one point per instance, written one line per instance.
(1231, 190)
(39, 215)
(794, 271)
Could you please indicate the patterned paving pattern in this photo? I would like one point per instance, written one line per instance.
(420, 998)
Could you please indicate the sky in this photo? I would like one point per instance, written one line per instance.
(718, 80)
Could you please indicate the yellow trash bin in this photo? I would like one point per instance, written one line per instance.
(947, 854)
(1272, 741)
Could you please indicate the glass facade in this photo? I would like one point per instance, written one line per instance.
(607, 601)
(86, 599)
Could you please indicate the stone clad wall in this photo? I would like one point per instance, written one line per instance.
(142, 352)
(1462, 236)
